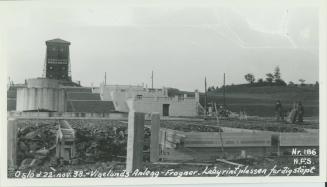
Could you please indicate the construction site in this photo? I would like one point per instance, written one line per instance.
(58, 126)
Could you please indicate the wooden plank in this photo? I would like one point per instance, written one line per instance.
(135, 141)
(229, 162)
(155, 130)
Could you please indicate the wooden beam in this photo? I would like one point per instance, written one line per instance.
(135, 141)
(155, 130)
(229, 162)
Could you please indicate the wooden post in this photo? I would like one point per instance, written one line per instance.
(205, 97)
(224, 94)
(12, 143)
(135, 141)
(155, 130)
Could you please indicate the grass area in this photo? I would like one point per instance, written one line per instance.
(260, 101)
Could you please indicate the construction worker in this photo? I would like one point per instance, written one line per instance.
(300, 112)
(279, 111)
(243, 115)
(292, 116)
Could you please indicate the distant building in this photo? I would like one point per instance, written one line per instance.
(149, 100)
(56, 92)
(57, 60)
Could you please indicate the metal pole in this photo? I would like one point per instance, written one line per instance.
(224, 92)
(152, 80)
(105, 78)
(205, 96)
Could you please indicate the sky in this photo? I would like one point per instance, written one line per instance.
(181, 41)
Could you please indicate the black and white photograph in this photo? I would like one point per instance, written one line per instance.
(206, 91)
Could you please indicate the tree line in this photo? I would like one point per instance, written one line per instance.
(271, 79)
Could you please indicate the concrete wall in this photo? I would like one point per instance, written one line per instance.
(40, 93)
(149, 100)
(149, 106)
(298, 139)
(129, 91)
(96, 90)
(119, 101)
(187, 107)
(177, 106)
(42, 83)
(106, 90)
(40, 98)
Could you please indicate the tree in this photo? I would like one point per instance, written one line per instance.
(302, 81)
(250, 78)
(270, 77)
(260, 82)
(291, 83)
(277, 75)
(280, 82)
(211, 89)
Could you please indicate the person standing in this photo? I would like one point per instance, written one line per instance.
(279, 111)
(292, 116)
(300, 112)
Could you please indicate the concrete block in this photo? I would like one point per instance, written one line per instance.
(135, 141)
(155, 130)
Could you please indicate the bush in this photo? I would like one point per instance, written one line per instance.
(280, 82)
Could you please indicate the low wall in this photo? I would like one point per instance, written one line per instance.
(42, 83)
(52, 99)
(183, 107)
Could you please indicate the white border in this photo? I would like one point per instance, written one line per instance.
(189, 180)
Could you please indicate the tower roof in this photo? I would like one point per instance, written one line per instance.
(57, 40)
